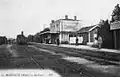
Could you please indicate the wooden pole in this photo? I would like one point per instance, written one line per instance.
(89, 37)
(115, 39)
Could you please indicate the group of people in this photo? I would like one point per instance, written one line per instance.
(98, 40)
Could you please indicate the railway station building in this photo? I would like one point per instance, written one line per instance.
(63, 29)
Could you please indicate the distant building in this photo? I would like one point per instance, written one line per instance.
(115, 28)
(88, 34)
(63, 28)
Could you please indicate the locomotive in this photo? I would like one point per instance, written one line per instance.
(21, 39)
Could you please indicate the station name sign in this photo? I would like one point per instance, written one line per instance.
(70, 25)
(115, 25)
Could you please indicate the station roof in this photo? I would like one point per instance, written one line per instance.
(47, 32)
(86, 29)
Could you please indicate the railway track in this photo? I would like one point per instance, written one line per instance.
(101, 57)
(36, 62)
(82, 71)
(34, 59)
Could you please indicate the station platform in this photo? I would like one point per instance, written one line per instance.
(85, 47)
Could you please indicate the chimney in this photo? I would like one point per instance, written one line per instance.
(52, 21)
(66, 16)
(21, 32)
(75, 17)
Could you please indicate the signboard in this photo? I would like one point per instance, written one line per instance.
(70, 25)
(115, 25)
(80, 39)
(72, 40)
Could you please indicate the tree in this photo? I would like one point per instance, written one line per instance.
(106, 34)
(30, 38)
(37, 36)
(45, 30)
(116, 14)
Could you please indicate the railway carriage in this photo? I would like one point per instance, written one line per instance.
(3, 40)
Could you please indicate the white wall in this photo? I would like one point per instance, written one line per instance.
(64, 37)
(64, 25)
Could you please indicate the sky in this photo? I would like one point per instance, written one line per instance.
(31, 16)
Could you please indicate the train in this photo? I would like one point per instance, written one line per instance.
(3, 40)
(21, 39)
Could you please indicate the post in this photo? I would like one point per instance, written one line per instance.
(88, 37)
(115, 39)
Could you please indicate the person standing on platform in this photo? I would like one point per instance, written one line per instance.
(100, 41)
(58, 42)
(76, 40)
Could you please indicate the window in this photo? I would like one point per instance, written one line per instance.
(53, 26)
(57, 25)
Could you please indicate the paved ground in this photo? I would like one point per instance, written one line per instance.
(65, 62)
(90, 48)
(86, 47)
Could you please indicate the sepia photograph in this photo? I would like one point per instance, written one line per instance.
(59, 38)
